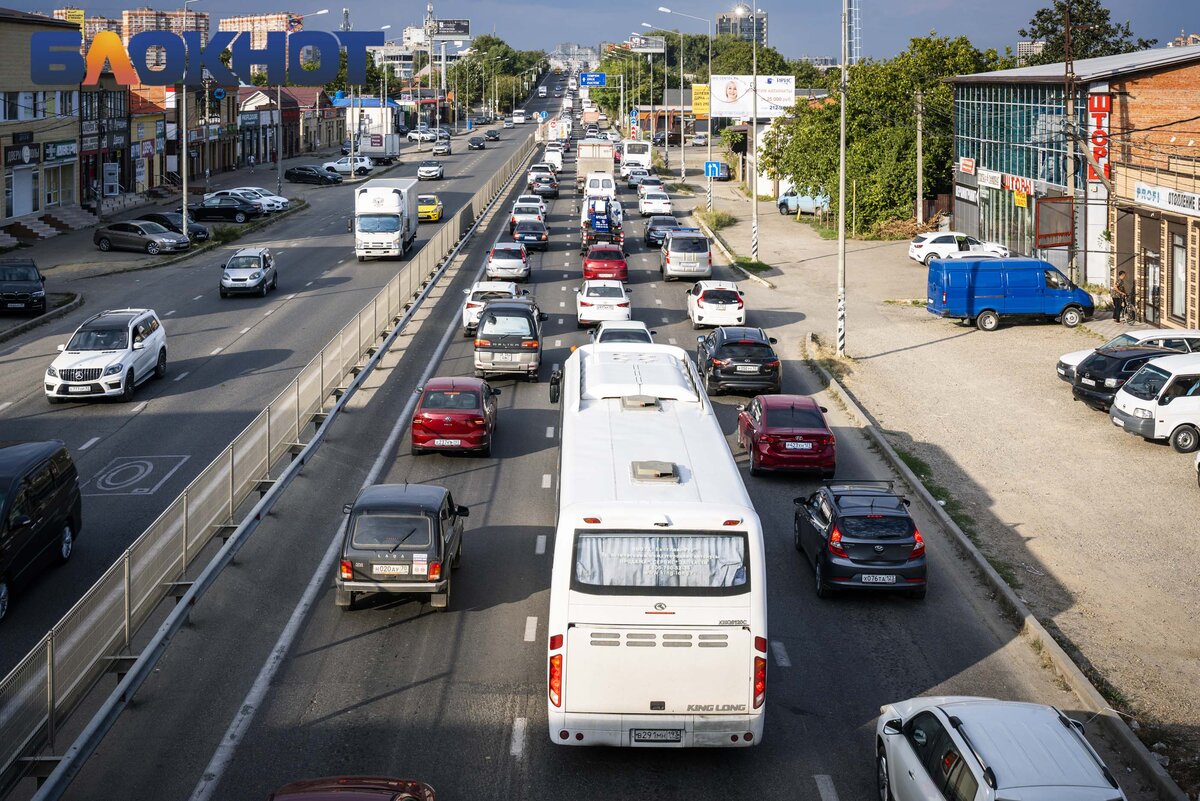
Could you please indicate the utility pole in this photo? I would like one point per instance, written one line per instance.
(920, 159)
(754, 139)
(279, 141)
(1068, 130)
(682, 160)
(843, 86)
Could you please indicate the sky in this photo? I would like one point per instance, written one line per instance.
(795, 27)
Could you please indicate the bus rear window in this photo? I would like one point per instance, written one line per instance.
(640, 563)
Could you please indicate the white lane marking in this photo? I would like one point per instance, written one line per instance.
(545, 481)
(518, 738)
(562, 304)
(549, 432)
(540, 547)
(566, 275)
(781, 654)
(558, 343)
(140, 406)
(563, 288)
(672, 341)
(825, 787)
(666, 319)
(225, 752)
(5, 405)
(268, 312)
(168, 314)
(183, 375)
(340, 261)
(658, 301)
(289, 297)
(89, 443)
(245, 330)
(654, 286)
(530, 628)
(197, 297)
(310, 283)
(215, 351)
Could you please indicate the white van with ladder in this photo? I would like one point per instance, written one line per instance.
(658, 613)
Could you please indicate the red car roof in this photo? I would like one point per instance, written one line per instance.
(785, 401)
(454, 382)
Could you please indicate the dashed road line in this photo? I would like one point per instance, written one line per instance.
(558, 343)
(781, 654)
(549, 432)
(562, 304)
(530, 628)
(172, 311)
(666, 319)
(5, 405)
(140, 406)
(290, 297)
(545, 481)
(197, 297)
(825, 787)
(268, 312)
(183, 375)
(517, 747)
(89, 443)
(658, 301)
(245, 330)
(539, 547)
(672, 341)
(215, 351)
(310, 283)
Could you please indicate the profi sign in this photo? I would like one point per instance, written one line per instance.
(55, 58)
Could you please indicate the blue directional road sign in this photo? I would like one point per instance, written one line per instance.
(712, 169)
(544, 116)
(593, 79)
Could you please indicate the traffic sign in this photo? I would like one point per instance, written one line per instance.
(544, 116)
(712, 169)
(593, 79)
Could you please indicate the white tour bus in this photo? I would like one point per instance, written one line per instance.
(658, 598)
(634, 154)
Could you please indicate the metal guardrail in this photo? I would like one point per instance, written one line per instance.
(95, 637)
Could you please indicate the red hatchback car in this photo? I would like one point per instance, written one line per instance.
(605, 260)
(455, 414)
(354, 788)
(786, 432)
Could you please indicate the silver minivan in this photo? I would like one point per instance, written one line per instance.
(508, 339)
(685, 253)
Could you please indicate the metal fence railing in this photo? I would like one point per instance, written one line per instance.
(96, 636)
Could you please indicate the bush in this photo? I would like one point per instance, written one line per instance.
(224, 234)
(717, 220)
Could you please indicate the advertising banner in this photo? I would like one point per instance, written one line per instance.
(647, 44)
(700, 100)
(451, 29)
(730, 95)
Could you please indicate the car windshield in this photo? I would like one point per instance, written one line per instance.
(243, 263)
(633, 562)
(620, 335)
(99, 339)
(528, 210)
(876, 527)
(794, 417)
(689, 244)
(746, 350)
(431, 163)
(656, 196)
(462, 400)
(427, 200)
(664, 222)
(153, 228)
(1119, 341)
(604, 292)
(506, 253)
(544, 179)
(650, 180)
(18, 272)
(379, 223)
(391, 532)
(530, 227)
(489, 294)
(720, 296)
(1147, 382)
(604, 254)
(506, 325)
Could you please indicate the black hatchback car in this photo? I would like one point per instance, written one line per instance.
(173, 221)
(40, 511)
(1099, 376)
(739, 358)
(859, 535)
(401, 539)
(491, 136)
(22, 287)
(657, 227)
(532, 234)
(309, 174)
(475, 143)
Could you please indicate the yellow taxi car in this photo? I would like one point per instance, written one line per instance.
(429, 208)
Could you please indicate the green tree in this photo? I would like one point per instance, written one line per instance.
(1093, 33)
(733, 56)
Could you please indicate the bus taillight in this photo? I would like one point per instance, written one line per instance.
(554, 682)
(760, 680)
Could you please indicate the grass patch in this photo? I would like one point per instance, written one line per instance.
(766, 198)
(909, 302)
(823, 228)
(716, 220)
(837, 366)
(682, 189)
(224, 234)
(749, 265)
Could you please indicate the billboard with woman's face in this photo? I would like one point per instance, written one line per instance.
(731, 95)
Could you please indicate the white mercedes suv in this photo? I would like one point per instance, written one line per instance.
(108, 356)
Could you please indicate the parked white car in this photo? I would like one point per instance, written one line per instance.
(714, 303)
(253, 198)
(348, 164)
(1184, 341)
(600, 300)
(108, 356)
(939, 747)
(622, 331)
(940, 244)
(654, 203)
(1162, 402)
(274, 202)
(479, 294)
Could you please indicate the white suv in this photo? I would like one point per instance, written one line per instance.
(346, 164)
(715, 303)
(981, 749)
(108, 356)
(941, 244)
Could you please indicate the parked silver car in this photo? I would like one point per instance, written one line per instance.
(139, 235)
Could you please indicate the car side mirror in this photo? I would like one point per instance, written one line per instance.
(653, 333)
(555, 385)
(61, 348)
(22, 521)
(543, 317)
(462, 511)
(139, 345)
(823, 409)
(346, 508)
(892, 727)
(741, 407)
(495, 391)
(524, 293)
(773, 340)
(700, 339)
(1165, 399)
(800, 501)
(42, 278)
(906, 501)
(466, 292)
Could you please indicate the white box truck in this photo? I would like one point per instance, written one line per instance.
(385, 217)
(381, 148)
(594, 155)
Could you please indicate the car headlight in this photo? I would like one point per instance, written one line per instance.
(1145, 414)
(50, 371)
(114, 369)
(360, 244)
(225, 277)
(38, 293)
(257, 274)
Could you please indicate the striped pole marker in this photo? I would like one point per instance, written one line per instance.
(841, 324)
(754, 241)
(708, 195)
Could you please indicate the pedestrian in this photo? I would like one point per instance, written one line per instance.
(250, 161)
(1122, 294)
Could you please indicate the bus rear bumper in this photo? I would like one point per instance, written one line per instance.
(655, 731)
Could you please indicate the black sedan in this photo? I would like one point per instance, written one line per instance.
(1099, 376)
(174, 222)
(657, 227)
(739, 358)
(544, 185)
(491, 136)
(311, 174)
(225, 208)
(532, 234)
(475, 143)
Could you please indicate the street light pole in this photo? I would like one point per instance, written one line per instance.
(709, 136)
(841, 260)
(185, 148)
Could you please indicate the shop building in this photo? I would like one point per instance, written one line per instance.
(105, 163)
(321, 125)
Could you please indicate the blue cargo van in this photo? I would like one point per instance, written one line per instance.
(985, 291)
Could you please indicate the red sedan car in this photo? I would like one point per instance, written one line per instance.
(605, 260)
(354, 788)
(786, 432)
(455, 414)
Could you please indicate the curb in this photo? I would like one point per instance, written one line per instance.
(1029, 626)
(728, 254)
(34, 322)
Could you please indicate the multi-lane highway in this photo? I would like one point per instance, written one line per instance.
(227, 359)
(458, 698)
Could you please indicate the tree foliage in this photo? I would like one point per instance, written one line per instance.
(1093, 33)
(880, 128)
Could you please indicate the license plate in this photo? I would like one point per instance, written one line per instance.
(446, 443)
(1118, 422)
(16, 305)
(79, 390)
(875, 578)
(747, 368)
(503, 357)
(720, 307)
(1062, 371)
(798, 446)
(390, 570)
(658, 735)
(1087, 381)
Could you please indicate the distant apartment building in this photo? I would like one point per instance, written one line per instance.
(1185, 40)
(1025, 50)
(91, 25)
(259, 25)
(144, 19)
(820, 62)
(744, 23)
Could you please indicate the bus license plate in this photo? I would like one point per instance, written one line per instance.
(797, 446)
(658, 735)
(875, 578)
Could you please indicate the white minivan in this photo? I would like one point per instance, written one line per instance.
(600, 184)
(1162, 401)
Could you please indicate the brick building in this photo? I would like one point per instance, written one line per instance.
(259, 25)
(147, 19)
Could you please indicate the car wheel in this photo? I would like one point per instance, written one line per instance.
(344, 599)
(160, 367)
(441, 600)
(1072, 317)
(1185, 439)
(263, 288)
(696, 326)
(782, 210)
(828, 474)
(929, 257)
(987, 321)
(710, 386)
(53, 401)
(5, 596)
(104, 243)
(796, 536)
(457, 560)
(152, 248)
(224, 294)
(755, 465)
(127, 390)
(823, 590)
(240, 217)
(882, 780)
(275, 281)
(66, 543)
